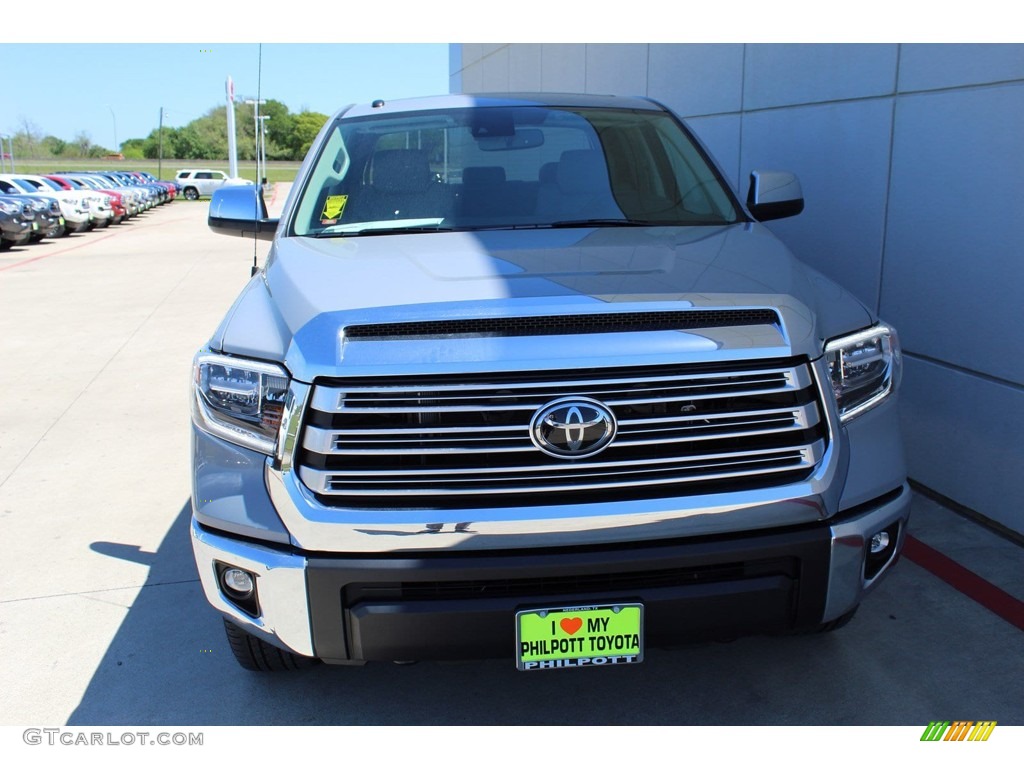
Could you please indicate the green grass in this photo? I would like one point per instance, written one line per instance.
(276, 170)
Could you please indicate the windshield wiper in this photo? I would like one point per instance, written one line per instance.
(384, 231)
(607, 223)
(634, 223)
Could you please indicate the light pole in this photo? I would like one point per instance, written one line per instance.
(256, 126)
(263, 138)
(160, 160)
(117, 149)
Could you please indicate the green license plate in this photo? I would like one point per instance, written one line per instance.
(587, 636)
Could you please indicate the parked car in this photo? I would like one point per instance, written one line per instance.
(170, 188)
(174, 185)
(42, 212)
(74, 207)
(522, 377)
(144, 198)
(201, 182)
(17, 222)
(48, 217)
(116, 199)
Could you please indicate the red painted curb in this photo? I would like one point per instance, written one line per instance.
(57, 253)
(986, 594)
(101, 238)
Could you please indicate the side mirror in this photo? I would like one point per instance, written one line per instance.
(241, 211)
(774, 195)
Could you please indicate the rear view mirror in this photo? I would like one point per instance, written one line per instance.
(241, 211)
(523, 138)
(774, 195)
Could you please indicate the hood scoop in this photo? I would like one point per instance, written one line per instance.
(558, 325)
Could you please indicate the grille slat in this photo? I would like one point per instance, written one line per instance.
(386, 399)
(442, 440)
(333, 482)
(698, 461)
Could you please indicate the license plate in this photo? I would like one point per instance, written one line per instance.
(581, 636)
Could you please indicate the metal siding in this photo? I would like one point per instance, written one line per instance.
(941, 223)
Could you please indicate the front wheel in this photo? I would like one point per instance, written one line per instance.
(191, 193)
(257, 655)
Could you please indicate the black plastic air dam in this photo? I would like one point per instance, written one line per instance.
(462, 605)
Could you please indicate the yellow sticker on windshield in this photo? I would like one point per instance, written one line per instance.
(333, 208)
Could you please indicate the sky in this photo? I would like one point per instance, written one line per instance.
(188, 80)
(322, 56)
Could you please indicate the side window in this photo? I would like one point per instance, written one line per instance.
(203, 175)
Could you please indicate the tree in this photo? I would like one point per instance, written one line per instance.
(26, 139)
(280, 127)
(133, 149)
(289, 136)
(151, 146)
(83, 143)
(53, 146)
(307, 126)
(189, 145)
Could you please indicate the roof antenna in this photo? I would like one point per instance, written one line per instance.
(259, 82)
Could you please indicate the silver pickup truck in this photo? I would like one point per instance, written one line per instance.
(522, 377)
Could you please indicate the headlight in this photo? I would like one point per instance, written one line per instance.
(864, 368)
(239, 400)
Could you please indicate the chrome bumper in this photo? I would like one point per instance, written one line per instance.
(284, 593)
(280, 584)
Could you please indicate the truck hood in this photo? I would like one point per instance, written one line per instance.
(311, 290)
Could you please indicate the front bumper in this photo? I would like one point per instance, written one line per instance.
(449, 604)
(17, 233)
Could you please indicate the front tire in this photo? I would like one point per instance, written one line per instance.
(257, 655)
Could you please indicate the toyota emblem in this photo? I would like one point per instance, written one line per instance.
(572, 427)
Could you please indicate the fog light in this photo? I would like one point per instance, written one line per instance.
(240, 582)
(881, 550)
(879, 542)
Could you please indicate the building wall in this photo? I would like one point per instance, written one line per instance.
(911, 159)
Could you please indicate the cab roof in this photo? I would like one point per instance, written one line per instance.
(463, 100)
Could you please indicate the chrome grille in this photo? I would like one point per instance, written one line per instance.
(458, 440)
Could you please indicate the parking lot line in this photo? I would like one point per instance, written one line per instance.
(986, 594)
(90, 241)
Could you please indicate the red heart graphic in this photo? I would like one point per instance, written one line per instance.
(571, 626)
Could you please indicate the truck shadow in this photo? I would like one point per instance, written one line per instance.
(169, 664)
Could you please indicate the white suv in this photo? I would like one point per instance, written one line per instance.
(201, 182)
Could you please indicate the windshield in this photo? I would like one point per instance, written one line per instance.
(26, 185)
(509, 167)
